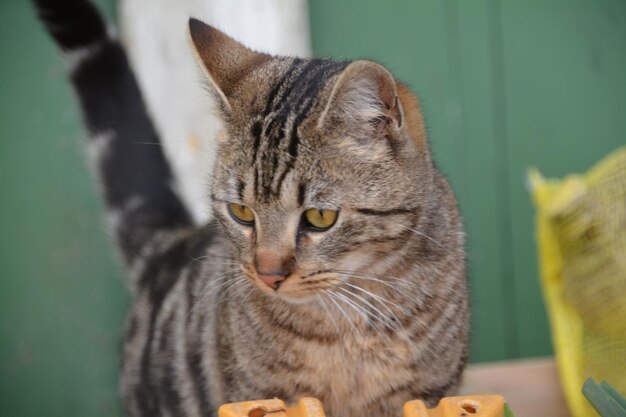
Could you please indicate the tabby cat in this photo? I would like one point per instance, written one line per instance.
(335, 264)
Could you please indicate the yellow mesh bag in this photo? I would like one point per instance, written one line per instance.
(581, 232)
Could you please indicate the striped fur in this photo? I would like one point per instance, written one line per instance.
(373, 312)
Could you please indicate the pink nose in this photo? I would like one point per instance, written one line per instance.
(272, 281)
(273, 267)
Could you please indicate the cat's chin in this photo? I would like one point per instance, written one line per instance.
(296, 298)
(292, 294)
(299, 294)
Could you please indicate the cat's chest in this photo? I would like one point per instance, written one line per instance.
(355, 369)
(345, 371)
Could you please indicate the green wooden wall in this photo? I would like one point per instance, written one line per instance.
(61, 293)
(505, 85)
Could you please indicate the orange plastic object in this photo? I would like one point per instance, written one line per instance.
(469, 406)
(307, 407)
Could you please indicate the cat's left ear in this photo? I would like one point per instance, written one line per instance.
(225, 60)
(366, 96)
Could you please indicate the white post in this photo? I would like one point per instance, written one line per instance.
(155, 34)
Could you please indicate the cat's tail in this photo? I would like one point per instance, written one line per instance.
(74, 24)
(123, 143)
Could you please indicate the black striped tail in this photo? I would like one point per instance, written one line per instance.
(125, 148)
(72, 23)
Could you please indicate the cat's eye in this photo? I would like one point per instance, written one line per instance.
(242, 214)
(319, 219)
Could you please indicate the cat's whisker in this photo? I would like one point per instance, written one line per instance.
(335, 300)
(210, 227)
(385, 302)
(238, 287)
(226, 288)
(224, 257)
(226, 274)
(391, 316)
(217, 262)
(327, 311)
(204, 257)
(373, 313)
(417, 232)
(403, 282)
(250, 289)
(243, 289)
(228, 258)
(382, 318)
(207, 290)
(395, 280)
(376, 278)
(359, 309)
(358, 275)
(233, 275)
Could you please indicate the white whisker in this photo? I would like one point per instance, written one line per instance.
(423, 234)
(207, 290)
(345, 315)
(380, 299)
(238, 288)
(379, 316)
(376, 278)
(360, 310)
(327, 311)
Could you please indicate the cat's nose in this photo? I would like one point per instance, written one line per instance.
(273, 281)
(272, 268)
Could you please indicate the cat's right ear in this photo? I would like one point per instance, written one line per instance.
(365, 96)
(225, 60)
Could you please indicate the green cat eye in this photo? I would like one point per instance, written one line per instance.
(241, 213)
(320, 219)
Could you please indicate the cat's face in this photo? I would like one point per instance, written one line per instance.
(317, 173)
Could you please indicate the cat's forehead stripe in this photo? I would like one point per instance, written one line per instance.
(301, 194)
(240, 189)
(293, 83)
(272, 95)
(292, 98)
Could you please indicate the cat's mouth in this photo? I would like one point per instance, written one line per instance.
(297, 286)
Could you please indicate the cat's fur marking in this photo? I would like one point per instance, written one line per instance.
(300, 133)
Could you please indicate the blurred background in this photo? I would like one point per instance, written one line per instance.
(505, 86)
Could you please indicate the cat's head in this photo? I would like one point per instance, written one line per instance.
(322, 169)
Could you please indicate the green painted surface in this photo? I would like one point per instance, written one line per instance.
(504, 87)
(564, 66)
(61, 294)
